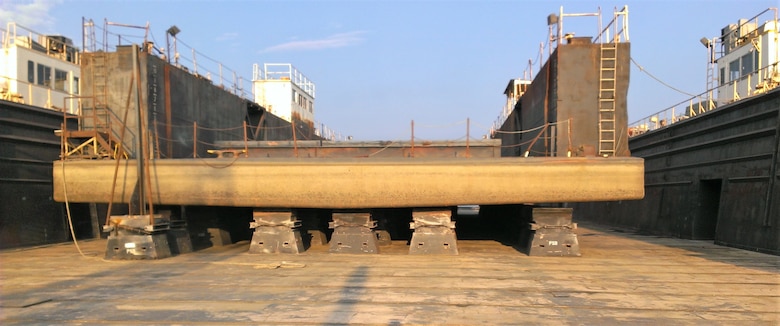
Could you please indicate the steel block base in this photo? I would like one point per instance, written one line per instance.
(553, 242)
(353, 234)
(317, 237)
(433, 240)
(276, 232)
(383, 238)
(179, 239)
(126, 246)
(219, 237)
(434, 233)
(353, 240)
(551, 233)
(276, 239)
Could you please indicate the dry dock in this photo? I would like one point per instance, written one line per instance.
(621, 278)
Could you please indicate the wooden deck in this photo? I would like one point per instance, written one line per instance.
(621, 278)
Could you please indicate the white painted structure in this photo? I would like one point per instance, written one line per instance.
(514, 90)
(749, 61)
(39, 70)
(742, 62)
(285, 92)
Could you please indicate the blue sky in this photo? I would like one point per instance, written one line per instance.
(380, 64)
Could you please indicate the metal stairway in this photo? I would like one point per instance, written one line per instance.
(95, 137)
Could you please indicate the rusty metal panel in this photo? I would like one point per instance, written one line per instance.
(485, 148)
(564, 93)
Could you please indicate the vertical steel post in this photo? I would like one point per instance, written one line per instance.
(246, 146)
(139, 142)
(168, 114)
(295, 138)
(194, 139)
(569, 136)
(412, 153)
(468, 131)
(145, 183)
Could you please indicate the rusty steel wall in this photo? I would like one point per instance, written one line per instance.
(367, 149)
(188, 110)
(565, 94)
(711, 177)
(183, 112)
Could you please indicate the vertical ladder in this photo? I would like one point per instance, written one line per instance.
(606, 105)
(99, 80)
(94, 116)
(712, 76)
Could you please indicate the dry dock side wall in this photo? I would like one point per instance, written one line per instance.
(710, 177)
(565, 95)
(28, 146)
(184, 112)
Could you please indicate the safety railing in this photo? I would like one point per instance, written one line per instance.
(615, 31)
(180, 54)
(203, 138)
(54, 46)
(25, 92)
(547, 134)
(198, 139)
(186, 58)
(284, 71)
(759, 81)
(102, 122)
(46, 93)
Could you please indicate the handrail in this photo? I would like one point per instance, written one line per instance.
(623, 31)
(702, 102)
(52, 46)
(555, 37)
(199, 64)
(27, 93)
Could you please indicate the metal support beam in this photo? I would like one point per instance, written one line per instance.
(434, 233)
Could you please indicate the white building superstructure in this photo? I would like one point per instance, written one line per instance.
(284, 91)
(743, 61)
(39, 70)
(748, 65)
